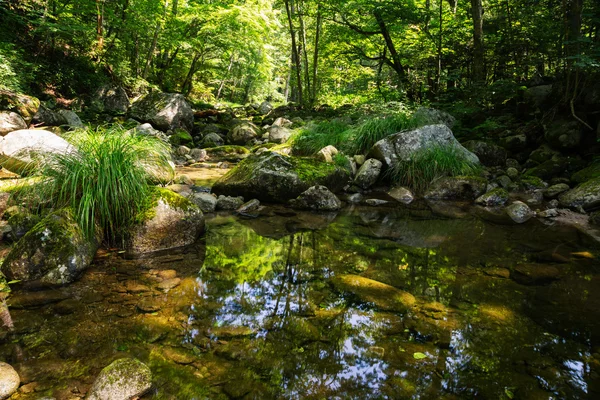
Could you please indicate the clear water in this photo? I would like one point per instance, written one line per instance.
(259, 312)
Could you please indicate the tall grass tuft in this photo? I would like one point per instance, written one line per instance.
(104, 179)
(314, 137)
(429, 165)
(365, 135)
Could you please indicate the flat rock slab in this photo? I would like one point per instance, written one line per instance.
(535, 274)
(385, 297)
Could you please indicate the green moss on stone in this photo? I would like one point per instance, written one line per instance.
(587, 174)
(174, 200)
(532, 182)
(227, 150)
(181, 137)
(311, 170)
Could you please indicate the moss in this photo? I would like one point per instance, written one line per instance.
(181, 137)
(586, 174)
(253, 149)
(226, 150)
(171, 198)
(311, 170)
(532, 182)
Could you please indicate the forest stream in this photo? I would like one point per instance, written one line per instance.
(380, 303)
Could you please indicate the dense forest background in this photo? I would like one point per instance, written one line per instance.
(481, 52)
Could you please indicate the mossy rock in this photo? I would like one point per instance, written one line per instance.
(168, 221)
(273, 177)
(457, 188)
(531, 182)
(495, 197)
(587, 174)
(124, 379)
(21, 223)
(586, 195)
(25, 106)
(54, 252)
(230, 153)
(181, 138)
(383, 296)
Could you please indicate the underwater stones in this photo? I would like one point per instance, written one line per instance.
(495, 197)
(178, 356)
(11, 121)
(149, 305)
(230, 332)
(368, 173)
(9, 380)
(54, 252)
(272, 177)
(317, 198)
(27, 299)
(586, 195)
(401, 194)
(124, 379)
(402, 146)
(171, 221)
(229, 203)
(519, 212)
(165, 111)
(456, 188)
(535, 274)
(169, 284)
(205, 201)
(385, 297)
(19, 148)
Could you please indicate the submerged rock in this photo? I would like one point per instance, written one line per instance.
(19, 149)
(519, 212)
(456, 188)
(54, 252)
(317, 198)
(368, 173)
(401, 194)
(586, 195)
(9, 380)
(169, 222)
(124, 379)
(385, 297)
(535, 274)
(495, 197)
(165, 111)
(402, 147)
(272, 177)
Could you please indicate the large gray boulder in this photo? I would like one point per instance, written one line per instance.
(272, 177)
(489, 154)
(19, 149)
(586, 195)
(402, 147)
(456, 188)
(11, 121)
(279, 134)
(317, 198)
(110, 99)
(243, 133)
(265, 108)
(431, 116)
(9, 380)
(71, 118)
(47, 117)
(519, 212)
(170, 221)
(368, 173)
(165, 111)
(124, 379)
(25, 106)
(53, 253)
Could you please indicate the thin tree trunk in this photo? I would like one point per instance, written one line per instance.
(478, 51)
(151, 51)
(396, 62)
(438, 77)
(313, 97)
(225, 77)
(186, 87)
(99, 26)
(305, 53)
(295, 55)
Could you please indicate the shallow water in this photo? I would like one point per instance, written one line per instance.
(257, 311)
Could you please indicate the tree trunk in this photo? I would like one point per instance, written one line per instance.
(313, 96)
(305, 54)
(295, 55)
(187, 85)
(396, 62)
(225, 77)
(478, 51)
(99, 26)
(151, 51)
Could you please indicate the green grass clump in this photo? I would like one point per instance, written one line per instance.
(350, 140)
(429, 165)
(104, 180)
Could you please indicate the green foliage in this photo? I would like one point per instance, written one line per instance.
(313, 137)
(371, 131)
(104, 179)
(15, 72)
(430, 164)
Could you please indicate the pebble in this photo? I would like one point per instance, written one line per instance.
(169, 284)
(9, 380)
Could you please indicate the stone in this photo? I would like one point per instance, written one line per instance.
(34, 299)
(243, 133)
(230, 332)
(283, 122)
(53, 253)
(169, 284)
(170, 222)
(512, 173)
(147, 129)
(493, 198)
(265, 108)
(124, 379)
(431, 116)
(71, 118)
(514, 142)
(586, 174)
(279, 134)
(519, 212)
(563, 134)
(178, 356)
(184, 180)
(25, 106)
(9, 380)
(111, 99)
(205, 201)
(555, 190)
(273, 177)
(376, 202)
(512, 163)
(401, 194)
(489, 154)
(212, 140)
(326, 154)
(586, 195)
(535, 274)
(11, 121)
(359, 159)
(538, 96)
(47, 117)
(543, 153)
(550, 213)
(249, 207)
(383, 296)
(317, 198)
(504, 181)
(229, 203)
(19, 149)
(402, 147)
(165, 111)
(149, 305)
(368, 173)
(456, 188)
(21, 223)
(198, 154)
(549, 168)
(595, 218)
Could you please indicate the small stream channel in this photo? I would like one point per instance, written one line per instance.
(253, 311)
